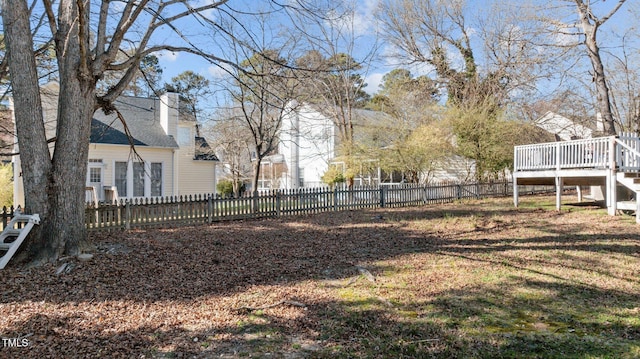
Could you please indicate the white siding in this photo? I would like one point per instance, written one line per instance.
(192, 177)
(110, 154)
(308, 145)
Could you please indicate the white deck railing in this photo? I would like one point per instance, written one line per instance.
(593, 153)
(628, 152)
(589, 153)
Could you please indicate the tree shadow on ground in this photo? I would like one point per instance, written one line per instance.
(188, 263)
(475, 322)
(200, 266)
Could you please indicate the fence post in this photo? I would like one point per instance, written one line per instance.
(335, 198)
(127, 214)
(458, 191)
(210, 209)
(6, 214)
(254, 202)
(383, 195)
(278, 203)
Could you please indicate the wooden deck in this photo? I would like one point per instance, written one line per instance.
(609, 162)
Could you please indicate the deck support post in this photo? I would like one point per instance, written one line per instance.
(611, 195)
(559, 187)
(514, 177)
(579, 190)
(612, 182)
(515, 191)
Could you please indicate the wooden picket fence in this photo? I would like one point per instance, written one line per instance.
(209, 208)
(171, 212)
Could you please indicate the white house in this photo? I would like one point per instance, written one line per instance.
(174, 159)
(308, 145)
(563, 128)
(309, 142)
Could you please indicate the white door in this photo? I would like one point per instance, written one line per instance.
(95, 179)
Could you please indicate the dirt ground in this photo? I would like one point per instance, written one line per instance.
(278, 288)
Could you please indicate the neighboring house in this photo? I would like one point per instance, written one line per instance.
(456, 169)
(173, 159)
(309, 144)
(563, 128)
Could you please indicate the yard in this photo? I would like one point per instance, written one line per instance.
(476, 279)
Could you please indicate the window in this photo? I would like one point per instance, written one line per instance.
(301, 177)
(264, 184)
(184, 136)
(95, 175)
(156, 179)
(121, 178)
(138, 179)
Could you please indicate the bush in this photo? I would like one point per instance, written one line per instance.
(225, 187)
(6, 185)
(333, 176)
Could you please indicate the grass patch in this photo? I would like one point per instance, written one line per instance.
(497, 282)
(473, 279)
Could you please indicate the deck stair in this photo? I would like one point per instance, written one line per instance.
(608, 163)
(14, 234)
(631, 180)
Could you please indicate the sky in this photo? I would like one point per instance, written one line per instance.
(364, 31)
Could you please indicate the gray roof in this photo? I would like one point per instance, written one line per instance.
(364, 121)
(142, 116)
(204, 152)
(361, 117)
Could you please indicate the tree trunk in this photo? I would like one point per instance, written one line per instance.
(65, 228)
(602, 90)
(256, 174)
(34, 152)
(66, 225)
(54, 186)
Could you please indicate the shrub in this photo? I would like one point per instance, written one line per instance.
(6, 185)
(225, 187)
(333, 176)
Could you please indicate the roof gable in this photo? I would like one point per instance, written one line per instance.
(142, 122)
(203, 151)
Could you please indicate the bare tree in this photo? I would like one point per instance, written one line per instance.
(624, 82)
(579, 25)
(86, 40)
(232, 142)
(264, 96)
(332, 77)
(476, 52)
(590, 23)
(481, 57)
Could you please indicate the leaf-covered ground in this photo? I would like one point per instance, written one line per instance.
(472, 279)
